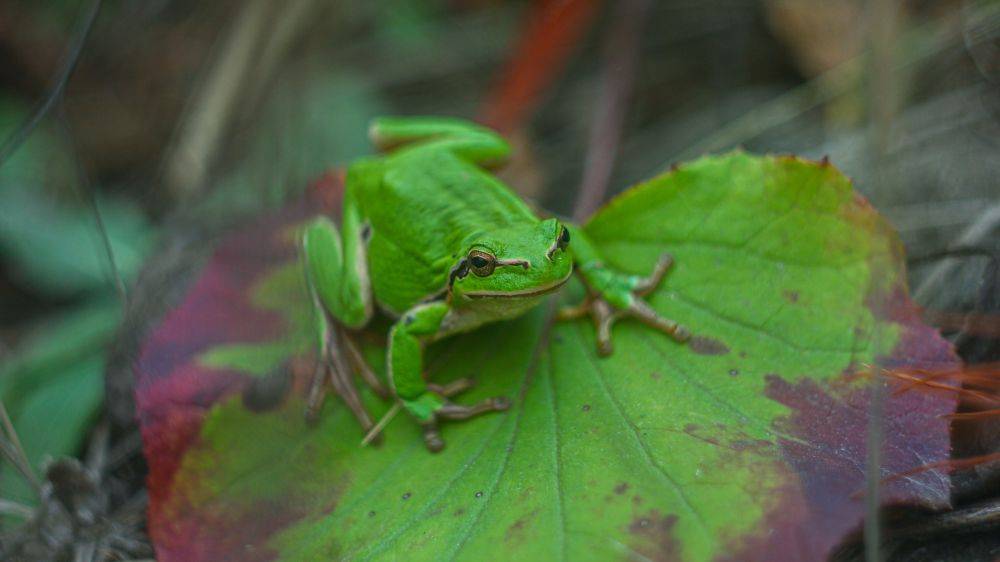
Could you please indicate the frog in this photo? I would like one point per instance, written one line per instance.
(432, 238)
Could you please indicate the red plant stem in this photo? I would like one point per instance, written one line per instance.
(918, 382)
(946, 465)
(554, 28)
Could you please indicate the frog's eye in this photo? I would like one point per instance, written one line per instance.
(481, 263)
(561, 243)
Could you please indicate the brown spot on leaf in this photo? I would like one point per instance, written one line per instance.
(704, 345)
(459, 512)
(266, 393)
(621, 488)
(757, 445)
(655, 536)
(655, 376)
(791, 296)
(692, 430)
(331, 505)
(585, 407)
(515, 531)
(734, 372)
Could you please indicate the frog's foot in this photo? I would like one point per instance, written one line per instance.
(619, 296)
(434, 406)
(332, 368)
(362, 368)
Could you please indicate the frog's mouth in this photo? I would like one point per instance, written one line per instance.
(537, 292)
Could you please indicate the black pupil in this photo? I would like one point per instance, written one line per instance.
(479, 262)
(564, 237)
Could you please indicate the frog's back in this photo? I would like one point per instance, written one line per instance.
(421, 207)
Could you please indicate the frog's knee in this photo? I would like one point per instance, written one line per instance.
(388, 132)
(423, 407)
(469, 141)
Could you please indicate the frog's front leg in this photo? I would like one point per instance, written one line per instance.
(612, 295)
(428, 405)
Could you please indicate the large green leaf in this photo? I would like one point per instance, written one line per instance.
(747, 443)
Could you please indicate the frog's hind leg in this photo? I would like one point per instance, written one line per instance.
(469, 141)
(331, 366)
(341, 296)
(338, 272)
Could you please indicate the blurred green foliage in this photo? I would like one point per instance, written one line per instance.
(48, 232)
(54, 388)
(286, 152)
(52, 383)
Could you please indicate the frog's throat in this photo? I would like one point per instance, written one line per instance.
(519, 294)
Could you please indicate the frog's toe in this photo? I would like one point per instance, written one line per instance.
(604, 316)
(449, 411)
(646, 285)
(576, 311)
(453, 388)
(604, 345)
(500, 403)
(331, 372)
(640, 310)
(432, 437)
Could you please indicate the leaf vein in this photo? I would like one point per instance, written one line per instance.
(597, 372)
(756, 329)
(557, 454)
(529, 371)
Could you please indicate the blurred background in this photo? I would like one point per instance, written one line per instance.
(146, 127)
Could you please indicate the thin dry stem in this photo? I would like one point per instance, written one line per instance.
(617, 81)
(15, 451)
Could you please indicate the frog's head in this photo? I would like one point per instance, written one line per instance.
(518, 262)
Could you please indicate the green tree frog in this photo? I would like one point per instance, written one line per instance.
(441, 245)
